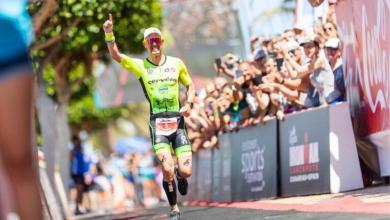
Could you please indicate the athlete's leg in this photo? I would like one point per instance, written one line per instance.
(167, 163)
(17, 150)
(184, 163)
(184, 158)
(162, 149)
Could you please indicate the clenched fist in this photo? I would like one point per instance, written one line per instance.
(108, 25)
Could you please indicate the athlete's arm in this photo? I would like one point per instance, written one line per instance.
(190, 93)
(114, 52)
(185, 79)
(131, 64)
(108, 27)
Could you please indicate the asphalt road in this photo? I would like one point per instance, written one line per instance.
(213, 213)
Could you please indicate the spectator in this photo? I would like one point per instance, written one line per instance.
(330, 30)
(333, 53)
(101, 184)
(79, 169)
(282, 76)
(321, 90)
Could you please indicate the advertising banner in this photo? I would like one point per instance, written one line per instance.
(364, 30)
(304, 153)
(221, 170)
(254, 162)
(204, 175)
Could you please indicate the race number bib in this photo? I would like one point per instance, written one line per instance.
(166, 126)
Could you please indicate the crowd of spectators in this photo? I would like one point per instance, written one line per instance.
(299, 69)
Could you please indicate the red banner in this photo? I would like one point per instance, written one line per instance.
(364, 29)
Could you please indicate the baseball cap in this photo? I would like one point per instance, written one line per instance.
(299, 26)
(292, 44)
(312, 38)
(151, 30)
(260, 54)
(333, 43)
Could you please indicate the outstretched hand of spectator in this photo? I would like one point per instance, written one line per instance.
(238, 81)
(266, 87)
(275, 86)
(185, 110)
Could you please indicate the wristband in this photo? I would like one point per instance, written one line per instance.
(109, 37)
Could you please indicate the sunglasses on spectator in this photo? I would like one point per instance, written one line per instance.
(331, 49)
(154, 40)
(292, 51)
(328, 28)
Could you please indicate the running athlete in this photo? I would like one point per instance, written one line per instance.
(160, 76)
(19, 165)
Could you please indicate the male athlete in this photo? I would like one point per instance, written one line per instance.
(159, 76)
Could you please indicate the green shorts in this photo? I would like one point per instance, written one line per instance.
(179, 139)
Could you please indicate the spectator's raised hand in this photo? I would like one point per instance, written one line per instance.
(238, 81)
(266, 87)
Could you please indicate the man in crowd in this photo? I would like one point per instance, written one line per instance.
(333, 53)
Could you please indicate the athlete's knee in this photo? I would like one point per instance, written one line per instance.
(168, 173)
(185, 172)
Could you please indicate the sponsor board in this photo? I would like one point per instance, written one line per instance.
(204, 175)
(253, 163)
(221, 170)
(304, 153)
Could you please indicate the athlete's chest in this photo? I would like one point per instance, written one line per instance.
(161, 74)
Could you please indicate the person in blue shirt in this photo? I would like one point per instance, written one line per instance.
(79, 169)
(18, 153)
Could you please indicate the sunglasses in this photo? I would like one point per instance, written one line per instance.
(328, 29)
(155, 40)
(331, 49)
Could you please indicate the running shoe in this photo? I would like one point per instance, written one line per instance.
(174, 215)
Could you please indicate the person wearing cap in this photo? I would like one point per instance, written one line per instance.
(333, 53)
(299, 29)
(259, 59)
(330, 30)
(160, 76)
(322, 89)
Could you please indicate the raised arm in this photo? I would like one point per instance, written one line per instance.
(108, 27)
